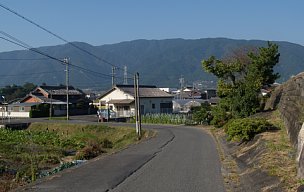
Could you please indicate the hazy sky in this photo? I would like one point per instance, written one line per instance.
(111, 21)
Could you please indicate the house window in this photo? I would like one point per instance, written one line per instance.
(10, 109)
(153, 105)
(21, 109)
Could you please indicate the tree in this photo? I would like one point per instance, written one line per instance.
(262, 64)
(202, 114)
(241, 76)
(12, 92)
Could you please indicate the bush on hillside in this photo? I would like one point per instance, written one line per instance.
(219, 116)
(245, 129)
(202, 114)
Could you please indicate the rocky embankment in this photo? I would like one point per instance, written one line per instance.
(288, 98)
(267, 163)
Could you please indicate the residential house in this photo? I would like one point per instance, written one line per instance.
(188, 94)
(44, 98)
(185, 105)
(120, 99)
(169, 90)
(21, 110)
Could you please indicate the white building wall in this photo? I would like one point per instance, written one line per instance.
(147, 102)
(116, 95)
(15, 114)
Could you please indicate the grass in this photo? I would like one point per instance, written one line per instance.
(27, 153)
(279, 158)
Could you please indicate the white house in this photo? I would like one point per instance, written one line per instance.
(120, 99)
(185, 105)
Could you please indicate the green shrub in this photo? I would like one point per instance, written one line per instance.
(202, 114)
(220, 116)
(41, 110)
(245, 129)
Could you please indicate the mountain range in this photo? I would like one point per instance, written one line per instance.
(159, 62)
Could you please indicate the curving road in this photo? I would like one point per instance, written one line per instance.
(178, 159)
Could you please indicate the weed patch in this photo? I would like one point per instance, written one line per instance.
(25, 155)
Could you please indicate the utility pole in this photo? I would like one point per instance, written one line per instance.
(135, 103)
(66, 61)
(51, 105)
(125, 75)
(137, 106)
(113, 76)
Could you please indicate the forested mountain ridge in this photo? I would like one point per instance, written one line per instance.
(159, 62)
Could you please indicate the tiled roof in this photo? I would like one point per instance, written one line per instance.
(121, 101)
(44, 99)
(145, 91)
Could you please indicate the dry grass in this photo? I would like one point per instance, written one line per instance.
(231, 175)
(279, 158)
(43, 145)
(274, 155)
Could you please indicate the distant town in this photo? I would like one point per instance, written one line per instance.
(52, 101)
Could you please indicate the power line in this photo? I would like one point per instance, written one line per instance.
(24, 59)
(57, 36)
(31, 49)
(26, 46)
(15, 39)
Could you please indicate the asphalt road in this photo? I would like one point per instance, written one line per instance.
(177, 159)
